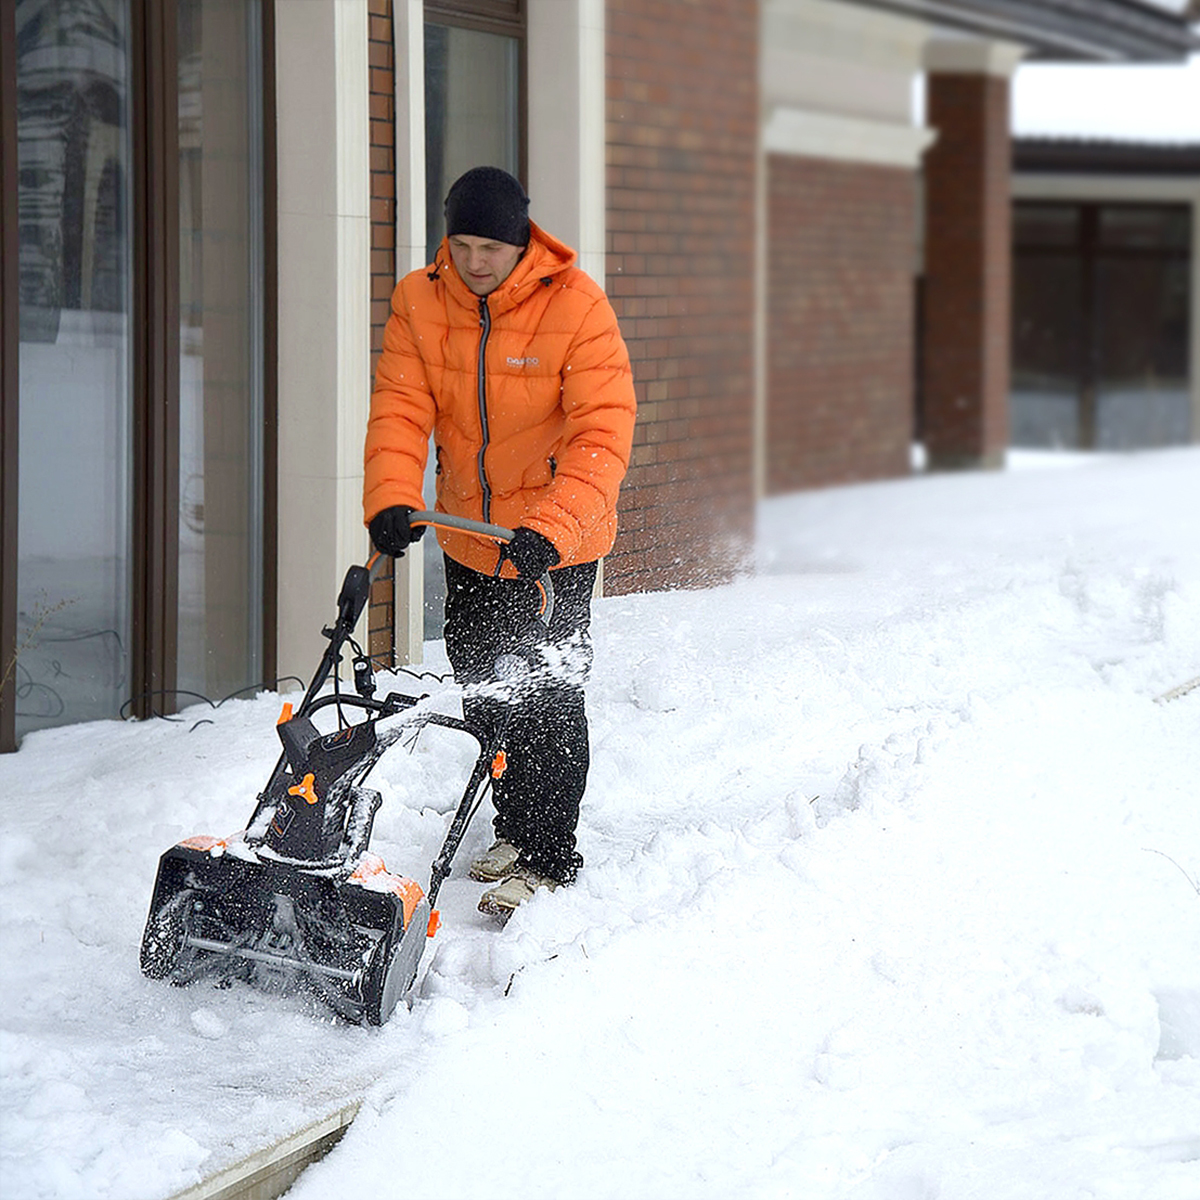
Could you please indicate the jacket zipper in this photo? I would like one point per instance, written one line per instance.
(485, 321)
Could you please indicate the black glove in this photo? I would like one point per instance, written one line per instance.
(391, 532)
(530, 552)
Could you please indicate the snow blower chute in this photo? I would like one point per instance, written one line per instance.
(297, 899)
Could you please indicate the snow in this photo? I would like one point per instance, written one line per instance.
(891, 894)
(1151, 103)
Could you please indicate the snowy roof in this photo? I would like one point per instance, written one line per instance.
(1157, 104)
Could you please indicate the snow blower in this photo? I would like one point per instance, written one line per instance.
(296, 900)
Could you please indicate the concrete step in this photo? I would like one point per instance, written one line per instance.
(267, 1174)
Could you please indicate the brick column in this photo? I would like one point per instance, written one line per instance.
(839, 321)
(382, 110)
(965, 342)
(682, 144)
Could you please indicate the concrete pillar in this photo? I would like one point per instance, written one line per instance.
(408, 31)
(968, 255)
(565, 57)
(324, 312)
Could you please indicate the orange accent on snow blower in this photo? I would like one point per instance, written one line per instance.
(411, 894)
(202, 841)
(435, 922)
(499, 764)
(286, 715)
(372, 871)
(305, 788)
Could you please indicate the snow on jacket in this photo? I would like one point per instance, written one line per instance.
(529, 396)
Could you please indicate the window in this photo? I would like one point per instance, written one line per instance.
(221, 305)
(471, 112)
(75, 472)
(1100, 325)
(474, 105)
(136, 532)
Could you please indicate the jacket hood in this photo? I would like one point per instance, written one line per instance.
(544, 258)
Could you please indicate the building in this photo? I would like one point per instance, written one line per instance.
(205, 204)
(1106, 285)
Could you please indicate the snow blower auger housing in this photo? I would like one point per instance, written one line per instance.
(297, 900)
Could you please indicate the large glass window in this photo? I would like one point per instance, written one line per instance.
(139, 397)
(74, 500)
(1100, 325)
(220, 348)
(1047, 326)
(1142, 318)
(471, 112)
(472, 119)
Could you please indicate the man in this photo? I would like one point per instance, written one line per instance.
(510, 357)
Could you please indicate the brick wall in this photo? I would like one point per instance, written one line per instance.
(682, 87)
(968, 267)
(840, 340)
(381, 62)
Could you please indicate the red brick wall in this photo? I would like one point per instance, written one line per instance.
(840, 338)
(381, 61)
(682, 80)
(968, 268)
(382, 101)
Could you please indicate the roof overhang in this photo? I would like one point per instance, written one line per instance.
(1092, 156)
(1063, 30)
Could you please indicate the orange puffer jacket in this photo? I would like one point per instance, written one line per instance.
(529, 398)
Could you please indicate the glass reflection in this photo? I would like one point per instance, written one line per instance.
(220, 367)
(74, 495)
(1101, 320)
(471, 120)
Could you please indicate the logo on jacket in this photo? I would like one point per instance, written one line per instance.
(522, 362)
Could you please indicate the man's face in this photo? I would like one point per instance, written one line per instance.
(482, 263)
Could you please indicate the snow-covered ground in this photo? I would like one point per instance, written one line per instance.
(892, 892)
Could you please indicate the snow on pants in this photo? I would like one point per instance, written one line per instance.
(546, 743)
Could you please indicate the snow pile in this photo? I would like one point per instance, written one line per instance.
(891, 892)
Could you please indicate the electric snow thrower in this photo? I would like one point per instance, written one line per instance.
(296, 900)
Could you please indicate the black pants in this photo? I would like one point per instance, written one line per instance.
(546, 741)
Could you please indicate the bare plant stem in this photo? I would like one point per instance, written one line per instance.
(42, 615)
(1195, 884)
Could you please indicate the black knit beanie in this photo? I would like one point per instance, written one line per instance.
(489, 203)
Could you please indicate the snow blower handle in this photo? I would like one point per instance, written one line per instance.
(497, 533)
(356, 588)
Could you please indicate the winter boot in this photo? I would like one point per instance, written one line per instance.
(498, 863)
(502, 901)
